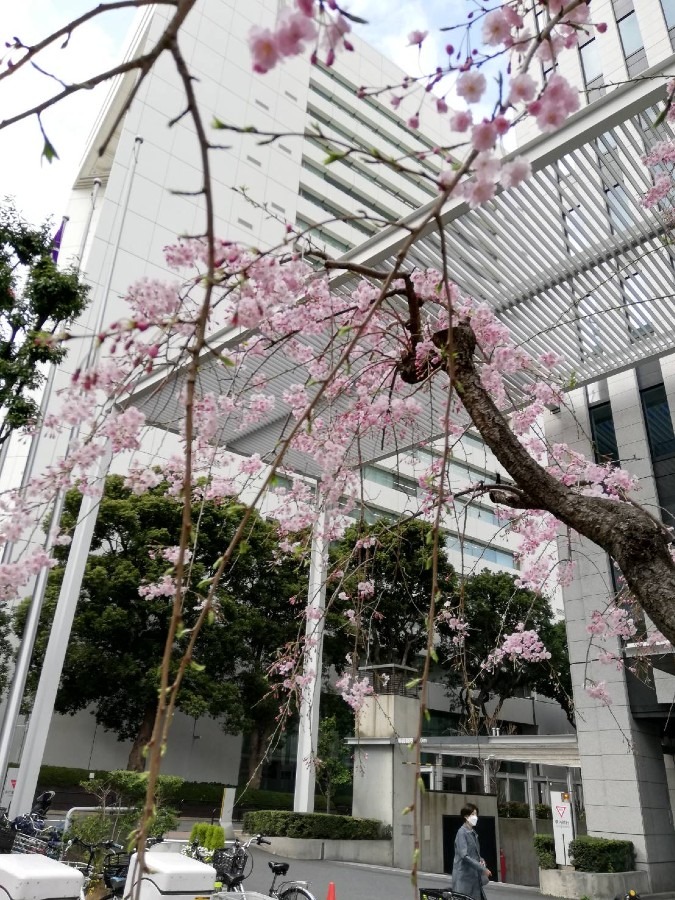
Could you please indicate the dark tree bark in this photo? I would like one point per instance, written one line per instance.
(136, 761)
(259, 738)
(638, 543)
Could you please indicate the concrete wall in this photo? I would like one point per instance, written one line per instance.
(197, 751)
(516, 840)
(598, 885)
(623, 772)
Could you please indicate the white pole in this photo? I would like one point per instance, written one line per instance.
(308, 729)
(87, 228)
(32, 622)
(43, 708)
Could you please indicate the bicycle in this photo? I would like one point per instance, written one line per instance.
(88, 868)
(230, 864)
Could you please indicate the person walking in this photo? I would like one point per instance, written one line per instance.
(469, 872)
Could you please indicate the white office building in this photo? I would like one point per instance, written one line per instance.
(124, 210)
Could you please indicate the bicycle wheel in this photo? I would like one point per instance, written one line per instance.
(295, 892)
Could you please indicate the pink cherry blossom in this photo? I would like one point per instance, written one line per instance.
(415, 38)
(496, 28)
(471, 86)
(264, 49)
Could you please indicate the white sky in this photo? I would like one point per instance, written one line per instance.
(41, 189)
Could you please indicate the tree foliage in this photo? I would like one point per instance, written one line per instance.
(118, 635)
(384, 625)
(493, 607)
(37, 301)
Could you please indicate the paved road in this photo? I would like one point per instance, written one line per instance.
(360, 882)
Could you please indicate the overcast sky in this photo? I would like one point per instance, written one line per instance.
(41, 189)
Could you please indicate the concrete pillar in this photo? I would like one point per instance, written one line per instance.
(622, 765)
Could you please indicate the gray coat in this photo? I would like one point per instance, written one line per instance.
(467, 868)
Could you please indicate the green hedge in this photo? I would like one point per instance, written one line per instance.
(63, 778)
(594, 854)
(544, 847)
(279, 823)
(252, 799)
(514, 810)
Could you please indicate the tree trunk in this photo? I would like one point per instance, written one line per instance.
(136, 761)
(638, 543)
(257, 750)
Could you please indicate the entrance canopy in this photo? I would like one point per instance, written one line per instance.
(540, 749)
(570, 261)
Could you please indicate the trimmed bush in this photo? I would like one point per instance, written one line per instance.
(198, 833)
(544, 847)
(594, 854)
(514, 810)
(279, 823)
(212, 837)
(543, 811)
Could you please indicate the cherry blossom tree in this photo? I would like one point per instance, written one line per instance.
(366, 358)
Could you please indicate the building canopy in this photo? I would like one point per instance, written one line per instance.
(570, 261)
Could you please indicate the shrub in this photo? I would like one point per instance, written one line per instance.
(514, 810)
(279, 823)
(594, 854)
(543, 811)
(199, 832)
(544, 847)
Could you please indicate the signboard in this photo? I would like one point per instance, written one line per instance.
(10, 784)
(563, 830)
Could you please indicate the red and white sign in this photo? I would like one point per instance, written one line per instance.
(563, 831)
(9, 786)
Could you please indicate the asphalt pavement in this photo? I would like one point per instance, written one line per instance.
(356, 881)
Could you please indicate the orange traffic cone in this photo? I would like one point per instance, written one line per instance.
(331, 891)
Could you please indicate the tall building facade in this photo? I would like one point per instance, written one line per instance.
(124, 210)
(626, 749)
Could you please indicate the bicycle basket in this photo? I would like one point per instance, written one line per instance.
(23, 843)
(441, 894)
(115, 869)
(229, 862)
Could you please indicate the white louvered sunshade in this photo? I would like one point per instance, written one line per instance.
(570, 261)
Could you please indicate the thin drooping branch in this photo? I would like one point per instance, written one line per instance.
(67, 31)
(142, 64)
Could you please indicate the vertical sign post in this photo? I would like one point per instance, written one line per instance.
(8, 789)
(563, 830)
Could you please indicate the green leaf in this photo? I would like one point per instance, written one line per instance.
(197, 667)
(48, 151)
(334, 156)
(413, 683)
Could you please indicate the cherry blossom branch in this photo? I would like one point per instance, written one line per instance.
(67, 31)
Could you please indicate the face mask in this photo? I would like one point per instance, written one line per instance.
(472, 820)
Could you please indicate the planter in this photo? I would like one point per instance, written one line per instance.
(376, 852)
(571, 884)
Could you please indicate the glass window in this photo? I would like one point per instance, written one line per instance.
(603, 433)
(590, 61)
(452, 783)
(658, 422)
(662, 446)
(517, 791)
(669, 12)
(631, 38)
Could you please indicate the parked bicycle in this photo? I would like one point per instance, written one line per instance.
(88, 867)
(30, 833)
(231, 865)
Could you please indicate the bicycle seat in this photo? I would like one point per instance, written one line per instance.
(279, 868)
